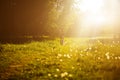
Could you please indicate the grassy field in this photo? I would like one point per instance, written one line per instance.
(77, 59)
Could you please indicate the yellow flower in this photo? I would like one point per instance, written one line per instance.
(55, 75)
(57, 70)
(49, 75)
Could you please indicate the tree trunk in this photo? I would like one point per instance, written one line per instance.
(62, 40)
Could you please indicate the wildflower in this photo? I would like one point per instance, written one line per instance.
(64, 74)
(111, 46)
(59, 55)
(57, 70)
(73, 67)
(81, 51)
(68, 55)
(90, 48)
(61, 60)
(96, 51)
(70, 75)
(65, 55)
(55, 75)
(107, 55)
(116, 58)
(49, 75)
(38, 59)
(99, 58)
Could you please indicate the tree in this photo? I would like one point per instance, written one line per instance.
(60, 17)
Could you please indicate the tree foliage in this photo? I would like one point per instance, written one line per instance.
(60, 17)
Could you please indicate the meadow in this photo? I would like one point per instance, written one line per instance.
(77, 59)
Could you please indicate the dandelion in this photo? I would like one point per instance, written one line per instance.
(38, 59)
(64, 74)
(68, 56)
(49, 75)
(57, 70)
(81, 51)
(57, 56)
(55, 75)
(60, 55)
(111, 46)
(99, 58)
(70, 75)
(116, 58)
(65, 55)
(96, 51)
(90, 48)
(73, 67)
(107, 55)
(113, 42)
(61, 60)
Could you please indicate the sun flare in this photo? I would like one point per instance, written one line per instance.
(97, 15)
(93, 12)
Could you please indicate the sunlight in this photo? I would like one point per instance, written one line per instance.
(95, 19)
(93, 11)
(96, 15)
(92, 6)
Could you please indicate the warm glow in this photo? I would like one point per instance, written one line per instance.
(92, 6)
(96, 15)
(93, 12)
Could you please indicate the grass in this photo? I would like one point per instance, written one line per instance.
(77, 59)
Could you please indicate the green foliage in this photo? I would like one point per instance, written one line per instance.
(60, 17)
(77, 59)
